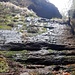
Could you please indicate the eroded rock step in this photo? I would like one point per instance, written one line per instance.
(48, 57)
(59, 37)
(34, 46)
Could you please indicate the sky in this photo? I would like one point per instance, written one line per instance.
(62, 5)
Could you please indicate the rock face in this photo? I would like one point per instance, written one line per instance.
(58, 35)
(6, 36)
(4, 0)
(41, 7)
(46, 57)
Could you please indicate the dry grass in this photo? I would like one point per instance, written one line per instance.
(14, 7)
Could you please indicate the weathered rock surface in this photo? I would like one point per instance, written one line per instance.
(34, 46)
(19, 69)
(60, 37)
(49, 57)
(7, 36)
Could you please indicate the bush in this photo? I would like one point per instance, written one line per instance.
(3, 65)
(73, 73)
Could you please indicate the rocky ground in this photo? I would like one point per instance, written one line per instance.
(50, 53)
(15, 68)
(30, 45)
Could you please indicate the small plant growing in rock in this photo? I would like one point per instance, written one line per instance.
(3, 65)
(73, 73)
(34, 73)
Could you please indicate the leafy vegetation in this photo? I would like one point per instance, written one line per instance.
(3, 65)
(43, 30)
(11, 53)
(4, 27)
(5, 17)
(52, 51)
(73, 72)
(12, 15)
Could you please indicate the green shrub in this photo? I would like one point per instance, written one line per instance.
(5, 27)
(73, 73)
(3, 65)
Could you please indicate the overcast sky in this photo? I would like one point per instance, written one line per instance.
(62, 5)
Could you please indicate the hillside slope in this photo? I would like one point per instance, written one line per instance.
(8, 13)
(41, 7)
